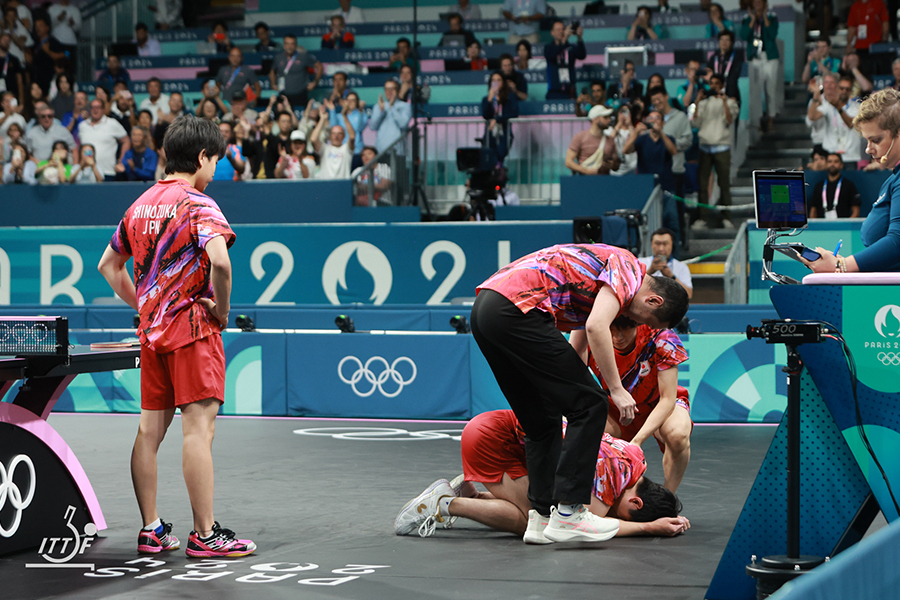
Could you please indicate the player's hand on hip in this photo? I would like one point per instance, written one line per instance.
(215, 310)
(626, 405)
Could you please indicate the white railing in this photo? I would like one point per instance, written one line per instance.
(736, 266)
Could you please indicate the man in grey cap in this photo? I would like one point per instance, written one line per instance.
(593, 151)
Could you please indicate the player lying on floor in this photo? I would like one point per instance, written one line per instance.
(648, 362)
(493, 454)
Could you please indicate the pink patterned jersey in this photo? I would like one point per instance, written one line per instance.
(166, 231)
(564, 280)
(619, 466)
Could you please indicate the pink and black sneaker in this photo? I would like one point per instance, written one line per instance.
(221, 542)
(157, 540)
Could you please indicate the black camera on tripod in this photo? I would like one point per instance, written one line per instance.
(486, 179)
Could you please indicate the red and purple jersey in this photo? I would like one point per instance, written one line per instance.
(166, 231)
(564, 280)
(654, 350)
(619, 466)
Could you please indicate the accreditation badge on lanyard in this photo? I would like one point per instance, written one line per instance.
(287, 69)
(757, 37)
(564, 76)
(831, 213)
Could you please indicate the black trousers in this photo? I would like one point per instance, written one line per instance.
(543, 378)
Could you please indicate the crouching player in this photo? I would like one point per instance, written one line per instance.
(493, 453)
(648, 362)
(182, 285)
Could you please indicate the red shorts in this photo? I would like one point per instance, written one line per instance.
(490, 447)
(188, 374)
(632, 429)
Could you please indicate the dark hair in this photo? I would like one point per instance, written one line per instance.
(262, 24)
(830, 154)
(719, 6)
(186, 138)
(627, 64)
(623, 322)
(599, 82)
(507, 55)
(819, 152)
(150, 114)
(527, 45)
(141, 26)
(290, 35)
(824, 38)
(475, 43)
(659, 502)
(222, 23)
(727, 33)
(675, 298)
(342, 73)
(154, 79)
(847, 77)
(663, 231)
(647, 8)
(284, 112)
(659, 89)
(719, 77)
(372, 148)
(42, 17)
(68, 78)
(503, 92)
(403, 39)
(555, 21)
(455, 15)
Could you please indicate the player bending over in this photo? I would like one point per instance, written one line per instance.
(179, 240)
(493, 453)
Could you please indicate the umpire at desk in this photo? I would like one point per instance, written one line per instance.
(878, 122)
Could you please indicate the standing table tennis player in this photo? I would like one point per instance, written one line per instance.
(517, 320)
(179, 240)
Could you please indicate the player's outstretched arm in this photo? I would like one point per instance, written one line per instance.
(663, 527)
(112, 267)
(606, 307)
(220, 278)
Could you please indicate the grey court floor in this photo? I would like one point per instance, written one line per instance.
(319, 499)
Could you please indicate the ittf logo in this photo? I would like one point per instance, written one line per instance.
(887, 321)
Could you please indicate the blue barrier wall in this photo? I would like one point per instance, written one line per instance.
(868, 183)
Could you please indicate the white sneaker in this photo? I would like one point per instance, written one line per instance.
(423, 511)
(463, 488)
(582, 526)
(534, 534)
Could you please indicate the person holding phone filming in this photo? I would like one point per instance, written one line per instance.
(498, 107)
(878, 121)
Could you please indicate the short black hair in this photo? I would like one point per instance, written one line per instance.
(141, 26)
(719, 77)
(623, 322)
(505, 56)
(405, 40)
(663, 231)
(455, 15)
(824, 38)
(675, 297)
(659, 502)
(629, 63)
(290, 35)
(262, 24)
(599, 82)
(819, 151)
(644, 7)
(156, 79)
(555, 21)
(372, 148)
(42, 17)
(839, 157)
(222, 23)
(150, 114)
(282, 113)
(186, 138)
(727, 33)
(659, 89)
(527, 45)
(342, 73)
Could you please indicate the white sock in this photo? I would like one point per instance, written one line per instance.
(444, 504)
(567, 510)
(152, 526)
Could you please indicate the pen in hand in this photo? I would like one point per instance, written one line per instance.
(838, 247)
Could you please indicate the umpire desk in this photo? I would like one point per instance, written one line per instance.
(41, 480)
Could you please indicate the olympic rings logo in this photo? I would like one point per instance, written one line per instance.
(8, 488)
(388, 372)
(889, 358)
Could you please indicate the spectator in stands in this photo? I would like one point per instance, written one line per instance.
(593, 151)
(12, 77)
(525, 18)
(655, 150)
(895, 71)
(351, 108)
(687, 91)
(65, 22)
(105, 135)
(41, 139)
(175, 109)
(561, 56)
(15, 134)
(727, 63)
(146, 45)
(339, 37)
(403, 55)
(621, 132)
(390, 118)
(498, 107)
(74, 117)
(819, 60)
(290, 73)
(113, 73)
(237, 77)
(157, 102)
(663, 263)
(299, 164)
(169, 14)
(760, 30)
(868, 23)
(46, 51)
(657, 80)
(56, 169)
(515, 80)
(861, 83)
(310, 120)
(466, 10)
(280, 143)
(381, 176)
(101, 93)
(20, 35)
(232, 165)
(20, 168)
(207, 109)
(663, 6)
(23, 12)
(264, 41)
(336, 155)
(423, 92)
(33, 102)
(139, 162)
(474, 58)
(677, 126)
(351, 14)
(524, 59)
(592, 96)
(64, 100)
(817, 160)
(239, 111)
(642, 28)
(11, 113)
(339, 89)
(456, 35)
(717, 21)
(145, 120)
(714, 116)
(219, 37)
(834, 114)
(626, 89)
(250, 148)
(834, 197)
(124, 109)
(86, 170)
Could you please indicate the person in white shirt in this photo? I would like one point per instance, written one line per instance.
(298, 164)
(466, 10)
(381, 182)
(147, 46)
(10, 114)
(351, 14)
(21, 36)
(65, 22)
(833, 112)
(157, 101)
(336, 155)
(661, 264)
(105, 134)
